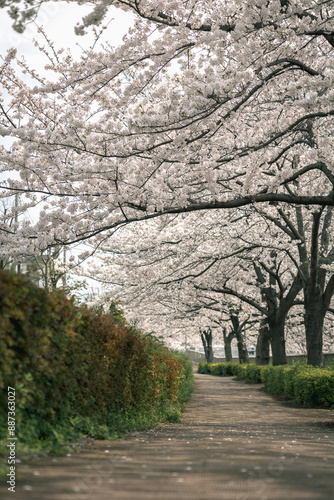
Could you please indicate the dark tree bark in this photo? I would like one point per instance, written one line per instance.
(237, 329)
(206, 336)
(275, 328)
(263, 344)
(278, 307)
(316, 304)
(242, 349)
(227, 344)
(314, 323)
(277, 342)
(317, 294)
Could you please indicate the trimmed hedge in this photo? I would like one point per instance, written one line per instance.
(307, 385)
(77, 371)
(251, 372)
(204, 367)
(314, 387)
(223, 369)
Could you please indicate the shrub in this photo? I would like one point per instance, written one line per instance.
(289, 380)
(240, 371)
(215, 368)
(222, 369)
(273, 379)
(39, 343)
(314, 387)
(254, 372)
(186, 386)
(249, 372)
(229, 368)
(266, 376)
(303, 384)
(234, 368)
(77, 370)
(204, 367)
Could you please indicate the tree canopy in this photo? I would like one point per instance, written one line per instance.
(206, 107)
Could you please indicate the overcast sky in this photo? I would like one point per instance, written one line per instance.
(59, 20)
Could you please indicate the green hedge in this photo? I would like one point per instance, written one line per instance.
(223, 369)
(204, 368)
(306, 385)
(77, 371)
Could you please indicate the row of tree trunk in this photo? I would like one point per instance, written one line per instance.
(311, 278)
(236, 332)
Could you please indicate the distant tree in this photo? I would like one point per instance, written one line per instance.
(206, 336)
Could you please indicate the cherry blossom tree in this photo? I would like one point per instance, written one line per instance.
(271, 298)
(171, 261)
(312, 233)
(206, 337)
(236, 331)
(309, 246)
(247, 255)
(205, 105)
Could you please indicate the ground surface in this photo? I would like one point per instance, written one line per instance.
(234, 443)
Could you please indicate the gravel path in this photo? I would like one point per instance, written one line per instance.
(234, 442)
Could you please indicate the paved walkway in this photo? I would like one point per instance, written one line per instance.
(234, 443)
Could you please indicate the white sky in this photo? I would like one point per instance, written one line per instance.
(59, 20)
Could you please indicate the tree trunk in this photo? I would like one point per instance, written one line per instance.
(237, 330)
(316, 297)
(206, 337)
(242, 348)
(227, 343)
(277, 341)
(262, 345)
(314, 324)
